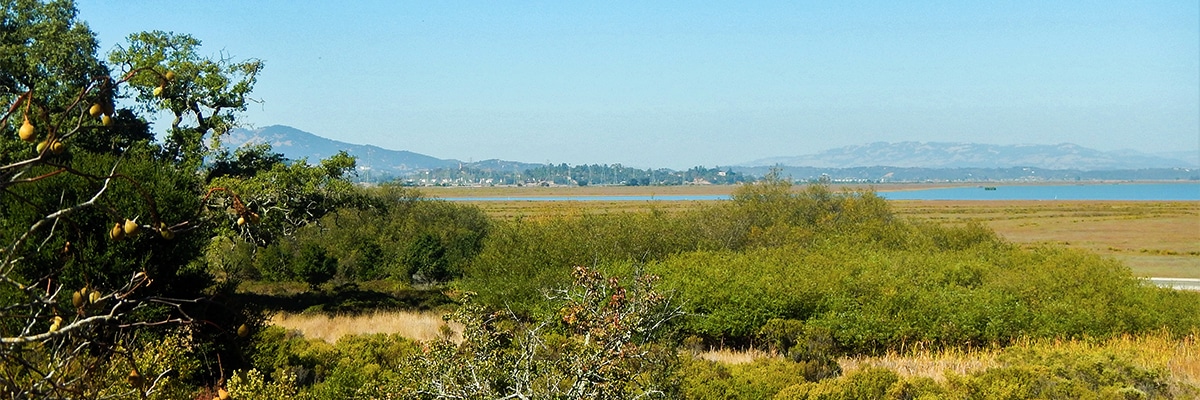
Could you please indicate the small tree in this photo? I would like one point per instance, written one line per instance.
(314, 266)
(426, 261)
(599, 345)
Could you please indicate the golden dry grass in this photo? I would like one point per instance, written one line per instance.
(1153, 238)
(1178, 357)
(421, 326)
(926, 363)
(732, 356)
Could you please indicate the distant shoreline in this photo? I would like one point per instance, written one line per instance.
(717, 190)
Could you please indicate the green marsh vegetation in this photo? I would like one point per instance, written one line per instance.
(137, 268)
(818, 277)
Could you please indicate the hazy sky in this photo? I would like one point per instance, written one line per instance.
(680, 84)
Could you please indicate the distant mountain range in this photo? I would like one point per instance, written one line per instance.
(918, 159)
(372, 160)
(974, 155)
(296, 144)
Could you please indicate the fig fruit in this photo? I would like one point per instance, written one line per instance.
(117, 232)
(77, 299)
(94, 297)
(41, 146)
(27, 133)
(106, 120)
(57, 147)
(243, 330)
(158, 91)
(96, 110)
(134, 379)
(241, 221)
(170, 75)
(131, 227)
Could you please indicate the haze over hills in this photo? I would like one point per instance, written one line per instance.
(974, 155)
(296, 144)
(376, 162)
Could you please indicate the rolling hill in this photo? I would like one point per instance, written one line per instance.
(296, 144)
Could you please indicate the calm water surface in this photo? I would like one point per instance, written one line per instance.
(1120, 191)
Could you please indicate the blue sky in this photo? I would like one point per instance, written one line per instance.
(680, 84)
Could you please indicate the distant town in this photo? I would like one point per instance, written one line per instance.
(901, 162)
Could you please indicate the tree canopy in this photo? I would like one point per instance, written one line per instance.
(104, 228)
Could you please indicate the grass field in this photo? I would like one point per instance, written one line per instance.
(422, 326)
(1159, 239)
(1153, 238)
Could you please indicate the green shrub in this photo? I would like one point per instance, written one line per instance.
(763, 378)
(873, 297)
(252, 385)
(363, 365)
(283, 353)
(864, 384)
(396, 235)
(521, 258)
(313, 265)
(1048, 372)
